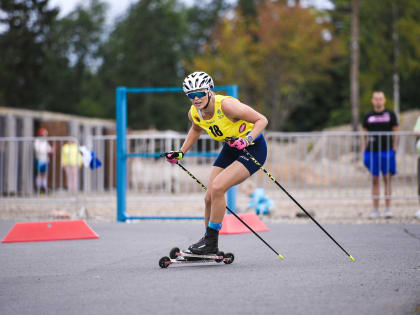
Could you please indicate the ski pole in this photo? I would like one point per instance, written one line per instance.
(290, 196)
(236, 216)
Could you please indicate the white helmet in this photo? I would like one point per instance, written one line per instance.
(197, 81)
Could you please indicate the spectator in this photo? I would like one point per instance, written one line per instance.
(42, 150)
(71, 160)
(379, 155)
(417, 131)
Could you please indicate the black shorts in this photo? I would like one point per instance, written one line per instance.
(257, 150)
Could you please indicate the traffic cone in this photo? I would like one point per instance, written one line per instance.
(49, 231)
(232, 225)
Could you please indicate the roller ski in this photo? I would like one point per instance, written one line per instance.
(176, 256)
(205, 250)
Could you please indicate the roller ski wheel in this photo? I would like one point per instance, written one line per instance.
(228, 258)
(220, 254)
(164, 262)
(174, 253)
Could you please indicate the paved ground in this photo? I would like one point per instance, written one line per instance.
(119, 273)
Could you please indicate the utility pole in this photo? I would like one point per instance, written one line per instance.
(396, 75)
(354, 68)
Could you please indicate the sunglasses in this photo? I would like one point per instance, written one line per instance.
(198, 94)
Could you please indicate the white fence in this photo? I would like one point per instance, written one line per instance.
(325, 165)
(18, 167)
(329, 165)
(316, 166)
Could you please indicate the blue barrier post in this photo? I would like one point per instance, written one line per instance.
(231, 193)
(121, 103)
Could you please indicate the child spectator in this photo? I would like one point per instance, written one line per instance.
(42, 150)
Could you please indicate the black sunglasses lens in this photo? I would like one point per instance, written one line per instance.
(198, 94)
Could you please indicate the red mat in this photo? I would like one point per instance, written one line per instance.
(49, 231)
(232, 225)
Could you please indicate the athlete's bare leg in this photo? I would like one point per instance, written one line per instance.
(375, 192)
(207, 199)
(220, 181)
(388, 190)
(233, 175)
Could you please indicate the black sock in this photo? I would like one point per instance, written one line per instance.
(212, 233)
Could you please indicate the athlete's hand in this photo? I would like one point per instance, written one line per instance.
(237, 143)
(174, 156)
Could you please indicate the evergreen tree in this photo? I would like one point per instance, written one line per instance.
(149, 47)
(377, 57)
(24, 52)
(79, 36)
(280, 72)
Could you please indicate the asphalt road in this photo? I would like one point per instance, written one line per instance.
(119, 273)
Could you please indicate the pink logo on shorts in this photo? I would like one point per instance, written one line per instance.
(242, 127)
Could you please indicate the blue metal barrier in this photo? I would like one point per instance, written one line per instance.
(121, 114)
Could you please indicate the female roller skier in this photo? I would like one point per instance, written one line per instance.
(221, 117)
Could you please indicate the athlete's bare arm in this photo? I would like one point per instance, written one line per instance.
(364, 139)
(397, 138)
(235, 110)
(192, 136)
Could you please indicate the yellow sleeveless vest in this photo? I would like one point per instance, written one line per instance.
(219, 126)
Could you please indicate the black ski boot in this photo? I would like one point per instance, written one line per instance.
(208, 244)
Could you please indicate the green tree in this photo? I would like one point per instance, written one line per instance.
(24, 44)
(146, 49)
(377, 58)
(49, 62)
(149, 47)
(202, 17)
(79, 36)
(292, 55)
(408, 28)
(248, 10)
